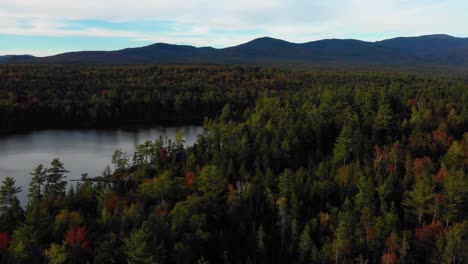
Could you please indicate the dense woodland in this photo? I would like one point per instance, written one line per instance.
(86, 96)
(292, 167)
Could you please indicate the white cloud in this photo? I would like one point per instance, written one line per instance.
(293, 20)
(39, 53)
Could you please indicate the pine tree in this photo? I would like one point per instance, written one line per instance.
(455, 189)
(211, 182)
(54, 184)
(261, 242)
(455, 156)
(304, 245)
(120, 160)
(420, 199)
(10, 207)
(342, 244)
(37, 182)
(456, 244)
(343, 146)
(383, 116)
(8, 198)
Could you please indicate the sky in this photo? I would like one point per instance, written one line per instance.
(47, 27)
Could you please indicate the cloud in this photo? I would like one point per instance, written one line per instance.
(39, 53)
(224, 23)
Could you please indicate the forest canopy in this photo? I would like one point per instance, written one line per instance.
(292, 167)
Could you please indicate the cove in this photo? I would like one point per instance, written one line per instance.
(81, 151)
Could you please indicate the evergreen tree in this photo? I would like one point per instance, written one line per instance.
(36, 184)
(10, 208)
(54, 184)
(211, 182)
(304, 244)
(138, 248)
(344, 145)
(420, 198)
(120, 160)
(455, 189)
(261, 242)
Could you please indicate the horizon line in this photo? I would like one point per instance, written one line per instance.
(254, 39)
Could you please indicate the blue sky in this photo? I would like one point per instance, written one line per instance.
(48, 27)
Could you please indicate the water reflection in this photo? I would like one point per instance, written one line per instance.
(81, 151)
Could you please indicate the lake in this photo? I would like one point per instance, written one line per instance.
(81, 151)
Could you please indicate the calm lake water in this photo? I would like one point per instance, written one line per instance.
(81, 151)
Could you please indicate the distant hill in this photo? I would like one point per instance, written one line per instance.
(431, 51)
(16, 58)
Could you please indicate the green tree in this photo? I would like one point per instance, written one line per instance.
(54, 180)
(56, 254)
(23, 246)
(261, 241)
(37, 183)
(138, 248)
(145, 150)
(455, 156)
(179, 138)
(285, 183)
(383, 118)
(456, 244)
(343, 146)
(120, 160)
(455, 189)
(304, 245)
(10, 208)
(342, 245)
(226, 113)
(158, 187)
(420, 198)
(282, 204)
(105, 251)
(384, 191)
(211, 182)
(365, 197)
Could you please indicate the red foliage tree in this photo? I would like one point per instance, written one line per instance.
(380, 155)
(389, 258)
(416, 142)
(427, 235)
(440, 137)
(112, 202)
(392, 243)
(76, 237)
(422, 166)
(413, 101)
(441, 175)
(430, 232)
(370, 233)
(163, 153)
(3, 242)
(189, 179)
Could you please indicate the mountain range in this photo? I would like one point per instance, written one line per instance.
(429, 51)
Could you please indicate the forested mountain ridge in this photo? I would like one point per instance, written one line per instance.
(434, 52)
(293, 167)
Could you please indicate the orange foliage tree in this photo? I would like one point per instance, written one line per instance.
(76, 237)
(189, 179)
